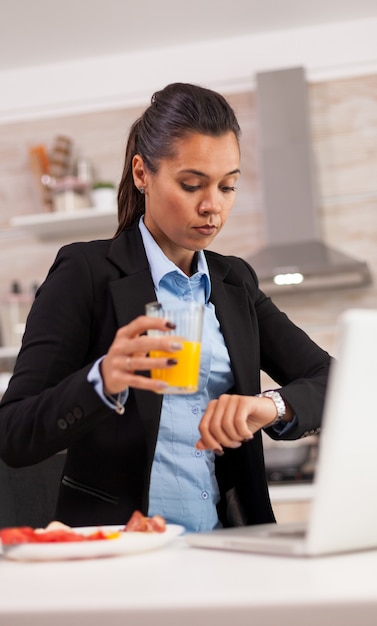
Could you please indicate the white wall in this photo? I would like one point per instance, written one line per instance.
(327, 51)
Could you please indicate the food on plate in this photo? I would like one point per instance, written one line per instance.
(57, 532)
(140, 523)
(26, 534)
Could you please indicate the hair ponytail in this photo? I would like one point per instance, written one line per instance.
(131, 203)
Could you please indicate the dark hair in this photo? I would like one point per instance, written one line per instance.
(175, 112)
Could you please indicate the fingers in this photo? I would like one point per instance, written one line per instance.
(232, 419)
(225, 423)
(118, 374)
(144, 363)
(142, 324)
(129, 354)
(131, 340)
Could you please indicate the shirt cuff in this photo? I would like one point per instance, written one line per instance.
(282, 428)
(115, 402)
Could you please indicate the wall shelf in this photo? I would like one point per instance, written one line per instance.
(85, 222)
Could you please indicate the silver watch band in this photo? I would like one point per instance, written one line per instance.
(279, 403)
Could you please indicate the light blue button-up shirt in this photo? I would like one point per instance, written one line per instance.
(183, 483)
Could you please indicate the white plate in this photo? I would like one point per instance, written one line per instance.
(127, 543)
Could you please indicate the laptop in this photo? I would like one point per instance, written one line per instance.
(343, 511)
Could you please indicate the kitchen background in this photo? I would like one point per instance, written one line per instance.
(93, 100)
(343, 116)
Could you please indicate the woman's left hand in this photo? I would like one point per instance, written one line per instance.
(232, 419)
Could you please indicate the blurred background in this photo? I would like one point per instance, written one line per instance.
(75, 75)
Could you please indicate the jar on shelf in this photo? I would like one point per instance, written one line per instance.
(104, 195)
(70, 194)
(83, 170)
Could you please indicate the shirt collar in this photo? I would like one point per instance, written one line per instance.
(160, 265)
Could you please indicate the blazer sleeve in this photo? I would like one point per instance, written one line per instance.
(49, 402)
(297, 364)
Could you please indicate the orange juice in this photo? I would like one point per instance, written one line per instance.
(183, 377)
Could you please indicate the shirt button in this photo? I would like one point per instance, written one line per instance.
(198, 453)
(205, 495)
(195, 410)
(62, 424)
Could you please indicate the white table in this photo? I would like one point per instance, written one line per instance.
(183, 586)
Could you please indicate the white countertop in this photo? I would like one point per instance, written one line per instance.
(186, 586)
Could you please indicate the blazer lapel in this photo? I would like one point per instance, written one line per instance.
(237, 325)
(134, 288)
(130, 293)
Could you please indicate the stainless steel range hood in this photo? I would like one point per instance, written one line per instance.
(295, 257)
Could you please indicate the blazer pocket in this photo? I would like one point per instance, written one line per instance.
(90, 491)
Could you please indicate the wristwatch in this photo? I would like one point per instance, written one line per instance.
(279, 403)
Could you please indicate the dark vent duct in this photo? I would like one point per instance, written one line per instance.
(295, 257)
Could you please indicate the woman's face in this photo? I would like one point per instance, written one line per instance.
(188, 200)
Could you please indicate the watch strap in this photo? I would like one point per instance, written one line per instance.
(279, 403)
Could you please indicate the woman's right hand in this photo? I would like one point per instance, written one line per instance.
(129, 353)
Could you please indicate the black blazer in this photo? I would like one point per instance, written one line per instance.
(91, 290)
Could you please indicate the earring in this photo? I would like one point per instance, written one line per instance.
(142, 190)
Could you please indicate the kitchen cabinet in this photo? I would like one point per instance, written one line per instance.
(54, 225)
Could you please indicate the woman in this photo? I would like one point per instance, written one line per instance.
(82, 382)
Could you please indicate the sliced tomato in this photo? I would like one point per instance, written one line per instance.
(54, 536)
(100, 534)
(22, 534)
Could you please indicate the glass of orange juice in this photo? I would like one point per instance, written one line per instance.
(188, 319)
